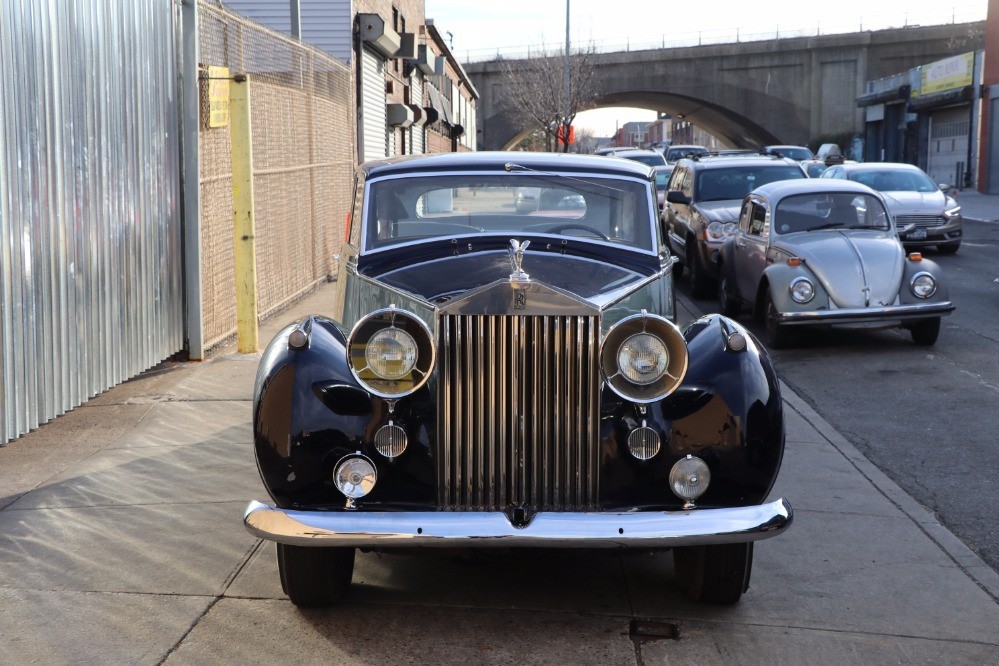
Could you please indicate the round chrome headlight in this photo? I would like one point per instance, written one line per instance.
(689, 478)
(643, 357)
(923, 285)
(802, 290)
(716, 231)
(391, 353)
(355, 476)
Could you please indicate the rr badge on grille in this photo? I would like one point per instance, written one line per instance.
(519, 300)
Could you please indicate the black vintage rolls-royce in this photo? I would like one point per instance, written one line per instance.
(497, 374)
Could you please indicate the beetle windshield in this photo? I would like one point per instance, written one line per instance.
(601, 209)
(830, 210)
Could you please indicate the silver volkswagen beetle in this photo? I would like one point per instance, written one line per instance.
(825, 252)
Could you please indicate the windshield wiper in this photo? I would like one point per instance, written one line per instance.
(827, 225)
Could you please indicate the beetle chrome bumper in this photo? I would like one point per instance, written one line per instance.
(639, 529)
(860, 315)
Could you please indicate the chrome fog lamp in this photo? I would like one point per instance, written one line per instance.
(643, 442)
(355, 476)
(923, 285)
(689, 478)
(729, 228)
(802, 290)
(643, 357)
(391, 353)
(715, 231)
(391, 440)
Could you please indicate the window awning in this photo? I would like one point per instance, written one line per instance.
(440, 104)
(942, 98)
(891, 95)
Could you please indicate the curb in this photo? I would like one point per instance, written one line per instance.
(966, 559)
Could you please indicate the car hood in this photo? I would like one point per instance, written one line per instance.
(441, 280)
(721, 211)
(915, 203)
(849, 263)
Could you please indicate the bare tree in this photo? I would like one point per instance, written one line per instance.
(536, 91)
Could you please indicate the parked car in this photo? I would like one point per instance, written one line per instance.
(675, 153)
(492, 379)
(924, 214)
(799, 153)
(825, 253)
(650, 157)
(526, 199)
(703, 196)
(662, 179)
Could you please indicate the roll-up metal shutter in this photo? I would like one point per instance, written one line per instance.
(416, 131)
(947, 153)
(374, 133)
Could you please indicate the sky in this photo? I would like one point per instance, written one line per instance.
(479, 30)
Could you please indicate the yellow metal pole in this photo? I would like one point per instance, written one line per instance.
(241, 137)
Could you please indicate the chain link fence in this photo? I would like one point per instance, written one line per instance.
(303, 141)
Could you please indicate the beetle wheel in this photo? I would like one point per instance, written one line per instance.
(728, 305)
(776, 335)
(313, 577)
(717, 574)
(925, 333)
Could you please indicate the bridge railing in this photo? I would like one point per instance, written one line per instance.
(967, 13)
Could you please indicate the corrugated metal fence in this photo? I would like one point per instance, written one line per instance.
(303, 162)
(90, 230)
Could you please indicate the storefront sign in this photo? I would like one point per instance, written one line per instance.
(947, 74)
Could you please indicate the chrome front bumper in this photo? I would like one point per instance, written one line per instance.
(859, 315)
(454, 529)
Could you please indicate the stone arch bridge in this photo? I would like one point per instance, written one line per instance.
(747, 94)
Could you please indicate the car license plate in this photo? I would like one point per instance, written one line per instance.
(916, 234)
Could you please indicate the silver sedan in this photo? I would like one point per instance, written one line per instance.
(825, 252)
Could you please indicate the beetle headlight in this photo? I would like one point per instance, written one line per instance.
(802, 290)
(923, 285)
(390, 352)
(643, 357)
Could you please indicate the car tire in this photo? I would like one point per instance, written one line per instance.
(700, 284)
(776, 336)
(716, 574)
(315, 577)
(925, 333)
(728, 305)
(948, 248)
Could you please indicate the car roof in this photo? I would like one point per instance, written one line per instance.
(783, 188)
(686, 145)
(502, 161)
(872, 166)
(722, 161)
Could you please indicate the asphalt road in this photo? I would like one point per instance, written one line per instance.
(927, 417)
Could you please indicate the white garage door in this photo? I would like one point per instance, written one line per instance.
(947, 155)
(374, 130)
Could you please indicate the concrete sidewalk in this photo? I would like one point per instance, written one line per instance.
(979, 207)
(121, 542)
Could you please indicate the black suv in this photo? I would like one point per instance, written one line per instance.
(703, 199)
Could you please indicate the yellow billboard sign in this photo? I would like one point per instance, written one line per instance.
(954, 72)
(218, 96)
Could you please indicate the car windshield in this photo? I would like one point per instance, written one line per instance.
(894, 180)
(417, 208)
(674, 154)
(794, 152)
(726, 183)
(652, 159)
(829, 210)
(662, 177)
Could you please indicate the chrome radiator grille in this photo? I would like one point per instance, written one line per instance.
(919, 220)
(518, 412)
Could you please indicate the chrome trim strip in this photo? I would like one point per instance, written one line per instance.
(636, 529)
(851, 315)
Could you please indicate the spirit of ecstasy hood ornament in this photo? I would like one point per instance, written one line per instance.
(516, 251)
